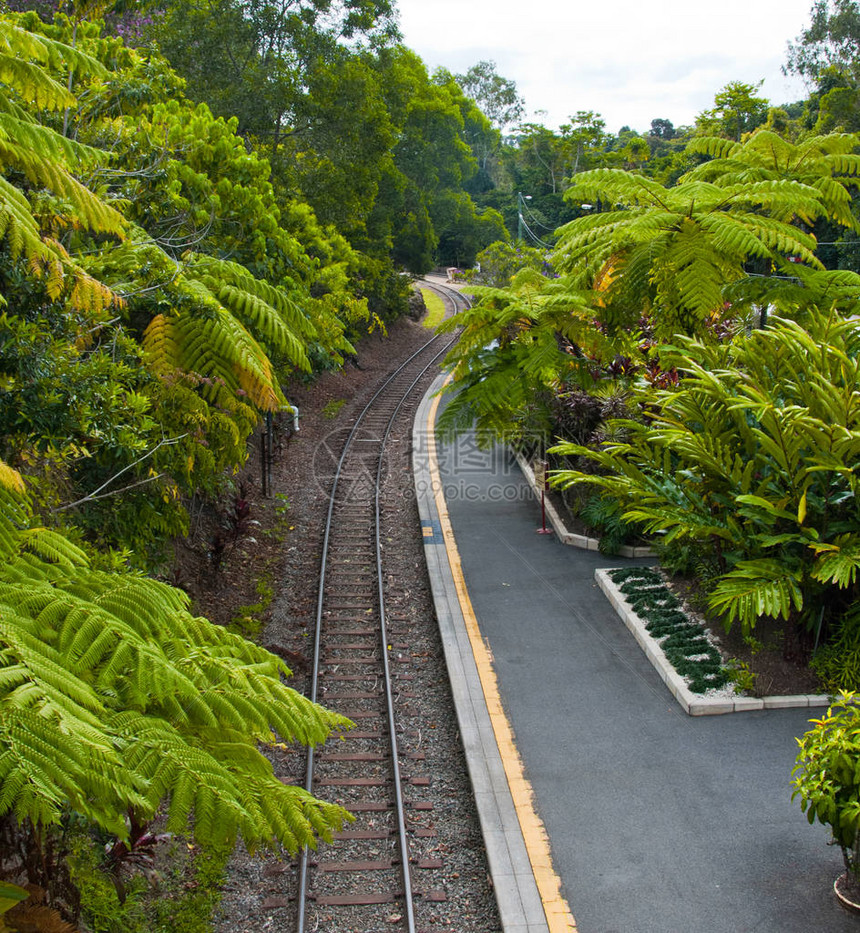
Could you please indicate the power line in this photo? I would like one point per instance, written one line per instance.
(535, 238)
(535, 221)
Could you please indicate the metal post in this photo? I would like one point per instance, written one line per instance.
(269, 454)
(263, 462)
(541, 480)
(519, 217)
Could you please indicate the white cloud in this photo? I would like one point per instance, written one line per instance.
(628, 60)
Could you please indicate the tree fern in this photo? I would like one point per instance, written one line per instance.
(513, 342)
(828, 164)
(225, 324)
(46, 158)
(695, 237)
(114, 698)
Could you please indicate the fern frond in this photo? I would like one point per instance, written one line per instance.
(53, 547)
(113, 698)
(18, 225)
(263, 318)
(25, 143)
(10, 479)
(34, 84)
(756, 588)
(217, 272)
(717, 147)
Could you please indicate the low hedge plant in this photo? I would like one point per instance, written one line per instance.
(683, 640)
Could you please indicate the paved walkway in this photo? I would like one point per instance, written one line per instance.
(657, 822)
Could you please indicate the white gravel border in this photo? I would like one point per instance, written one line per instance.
(694, 704)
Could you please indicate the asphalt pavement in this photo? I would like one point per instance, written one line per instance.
(657, 822)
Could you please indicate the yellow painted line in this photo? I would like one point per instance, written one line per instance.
(558, 914)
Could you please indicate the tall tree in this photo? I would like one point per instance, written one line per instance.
(736, 111)
(832, 40)
(252, 58)
(584, 140)
(495, 95)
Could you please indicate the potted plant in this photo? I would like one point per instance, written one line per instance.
(826, 778)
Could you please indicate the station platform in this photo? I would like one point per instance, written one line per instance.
(604, 807)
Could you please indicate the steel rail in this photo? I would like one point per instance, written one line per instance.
(302, 892)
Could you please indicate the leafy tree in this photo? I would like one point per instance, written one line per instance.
(501, 261)
(830, 40)
(253, 59)
(584, 140)
(669, 159)
(835, 105)
(430, 160)
(134, 368)
(495, 95)
(539, 160)
(736, 111)
(540, 163)
(463, 230)
(336, 152)
(662, 129)
(479, 132)
(635, 152)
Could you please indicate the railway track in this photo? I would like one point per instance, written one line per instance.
(369, 879)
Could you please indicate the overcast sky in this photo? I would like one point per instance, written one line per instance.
(630, 60)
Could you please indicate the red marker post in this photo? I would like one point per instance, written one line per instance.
(542, 480)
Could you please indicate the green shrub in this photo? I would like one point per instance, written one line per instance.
(827, 777)
(176, 891)
(837, 664)
(750, 462)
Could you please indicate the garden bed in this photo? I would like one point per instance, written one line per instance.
(685, 652)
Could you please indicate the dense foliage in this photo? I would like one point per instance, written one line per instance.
(701, 301)
(826, 777)
(202, 200)
(746, 467)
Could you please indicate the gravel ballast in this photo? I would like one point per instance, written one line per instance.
(258, 893)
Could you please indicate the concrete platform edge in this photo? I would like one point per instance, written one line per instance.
(521, 905)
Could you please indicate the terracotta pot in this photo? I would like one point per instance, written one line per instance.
(846, 894)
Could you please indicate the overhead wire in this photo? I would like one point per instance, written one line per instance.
(534, 237)
(535, 221)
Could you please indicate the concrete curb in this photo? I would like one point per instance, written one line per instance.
(568, 537)
(693, 704)
(521, 906)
